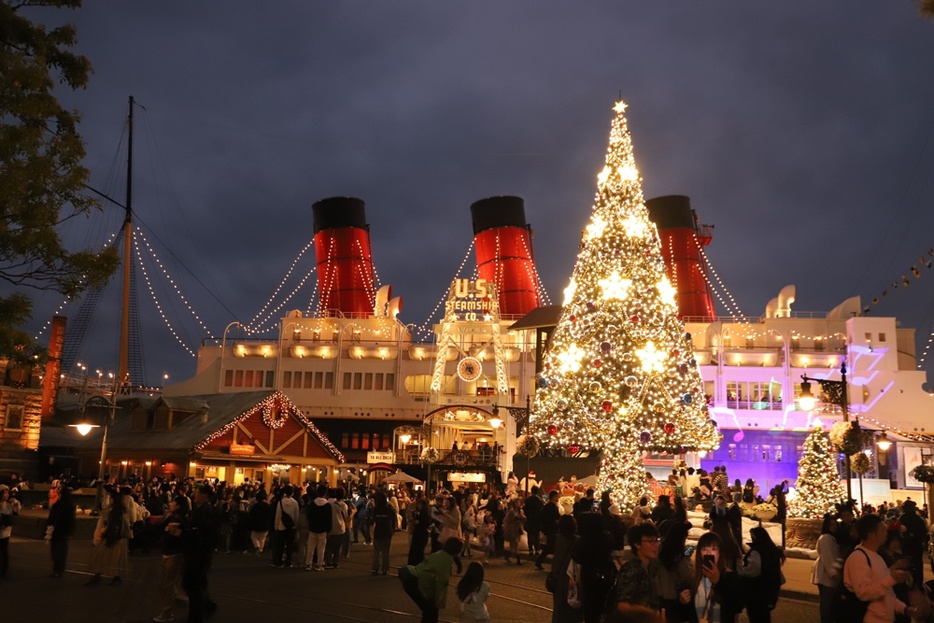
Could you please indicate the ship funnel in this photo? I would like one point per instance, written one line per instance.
(503, 244)
(344, 257)
(682, 239)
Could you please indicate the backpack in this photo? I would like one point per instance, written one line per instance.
(846, 607)
(285, 518)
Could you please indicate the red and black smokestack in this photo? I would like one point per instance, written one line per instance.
(682, 239)
(344, 256)
(503, 244)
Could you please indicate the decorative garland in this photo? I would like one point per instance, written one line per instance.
(430, 455)
(923, 473)
(527, 445)
(286, 407)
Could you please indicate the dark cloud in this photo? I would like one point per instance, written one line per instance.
(801, 130)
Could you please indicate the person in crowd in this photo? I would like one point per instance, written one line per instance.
(427, 582)
(496, 508)
(642, 512)
(473, 592)
(512, 529)
(351, 517)
(320, 517)
(8, 508)
(512, 484)
(716, 589)
(674, 575)
(761, 572)
(828, 567)
(285, 522)
(680, 514)
(730, 551)
(261, 518)
(339, 515)
(565, 548)
(111, 540)
(586, 504)
(172, 557)
(597, 569)
(60, 526)
(199, 534)
(549, 527)
(636, 581)
(384, 525)
(450, 519)
(663, 510)
(486, 538)
(468, 523)
(361, 519)
(749, 491)
(914, 539)
(719, 508)
(867, 576)
(419, 525)
(532, 508)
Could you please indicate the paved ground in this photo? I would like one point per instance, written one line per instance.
(250, 590)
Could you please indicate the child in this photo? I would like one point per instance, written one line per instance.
(473, 592)
(485, 537)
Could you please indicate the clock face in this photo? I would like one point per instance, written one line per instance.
(469, 369)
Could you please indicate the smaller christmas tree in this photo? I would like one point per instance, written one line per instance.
(819, 487)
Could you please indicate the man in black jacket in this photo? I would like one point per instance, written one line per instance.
(199, 536)
(915, 539)
(549, 526)
(533, 519)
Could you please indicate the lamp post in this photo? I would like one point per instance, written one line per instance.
(521, 415)
(86, 423)
(836, 394)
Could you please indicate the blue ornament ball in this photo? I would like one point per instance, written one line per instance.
(543, 383)
(687, 399)
(645, 437)
(606, 347)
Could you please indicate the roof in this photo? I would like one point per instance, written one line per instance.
(215, 414)
(539, 318)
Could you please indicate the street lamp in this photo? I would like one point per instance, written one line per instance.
(105, 410)
(521, 415)
(835, 392)
(883, 442)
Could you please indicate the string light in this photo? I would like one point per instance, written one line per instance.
(819, 486)
(155, 300)
(288, 274)
(732, 307)
(279, 402)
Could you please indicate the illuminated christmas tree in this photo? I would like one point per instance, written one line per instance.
(819, 487)
(620, 374)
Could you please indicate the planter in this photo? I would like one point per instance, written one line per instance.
(802, 533)
(766, 515)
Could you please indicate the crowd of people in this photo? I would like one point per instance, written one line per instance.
(603, 564)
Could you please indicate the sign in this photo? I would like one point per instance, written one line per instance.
(470, 300)
(466, 477)
(242, 449)
(380, 457)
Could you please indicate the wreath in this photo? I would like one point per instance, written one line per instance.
(430, 455)
(527, 445)
(274, 416)
(923, 473)
(846, 437)
(859, 463)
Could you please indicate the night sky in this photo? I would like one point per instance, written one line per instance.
(802, 130)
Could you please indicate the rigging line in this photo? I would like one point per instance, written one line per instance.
(155, 300)
(182, 264)
(906, 189)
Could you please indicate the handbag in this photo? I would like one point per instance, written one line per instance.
(846, 606)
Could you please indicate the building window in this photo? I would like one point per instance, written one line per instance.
(328, 380)
(308, 380)
(881, 338)
(286, 379)
(347, 380)
(778, 454)
(228, 378)
(270, 379)
(319, 380)
(238, 378)
(14, 417)
(390, 381)
(378, 382)
(248, 379)
(345, 440)
(368, 381)
(358, 380)
(731, 449)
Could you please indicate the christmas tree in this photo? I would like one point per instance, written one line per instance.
(819, 487)
(620, 374)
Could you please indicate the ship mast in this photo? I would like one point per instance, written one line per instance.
(123, 374)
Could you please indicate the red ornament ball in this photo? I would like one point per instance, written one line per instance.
(552, 429)
(669, 428)
(607, 406)
(634, 319)
(573, 448)
(597, 363)
(573, 318)
(675, 352)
